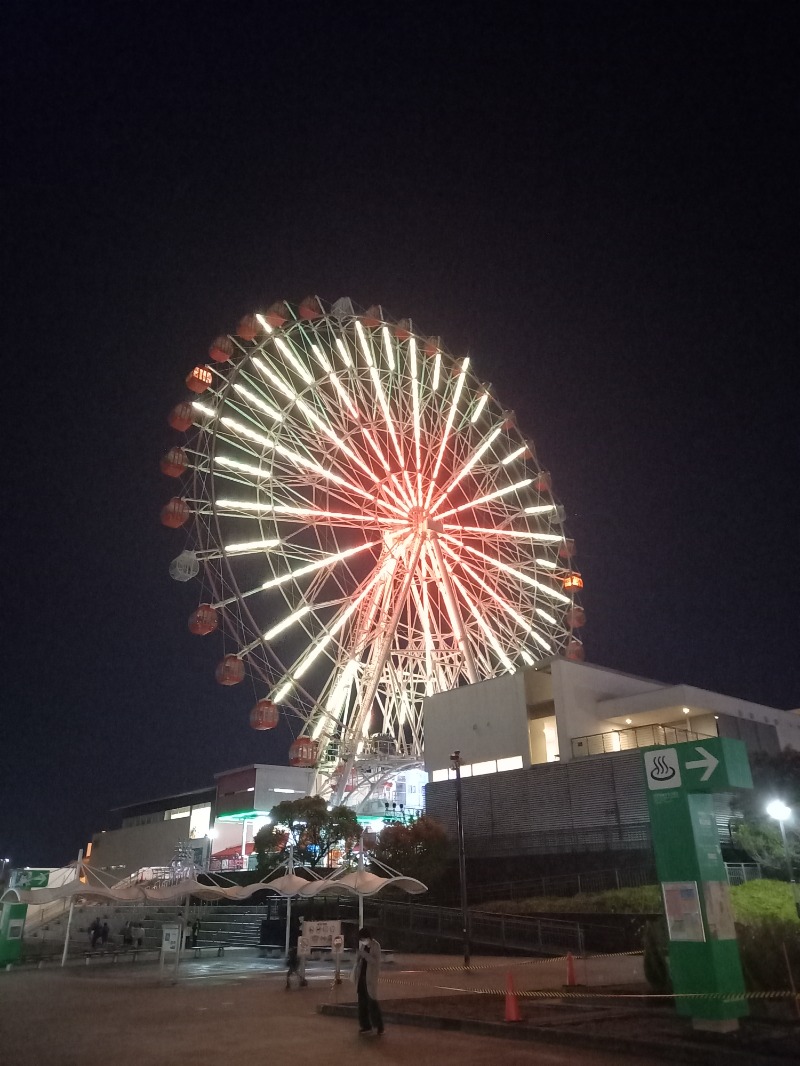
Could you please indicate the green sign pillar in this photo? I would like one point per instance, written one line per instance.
(703, 950)
(12, 922)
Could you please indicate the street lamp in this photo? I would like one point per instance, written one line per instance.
(778, 810)
(455, 759)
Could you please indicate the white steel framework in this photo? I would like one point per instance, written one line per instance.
(375, 528)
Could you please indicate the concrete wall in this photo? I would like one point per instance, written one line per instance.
(577, 690)
(124, 851)
(485, 721)
(268, 778)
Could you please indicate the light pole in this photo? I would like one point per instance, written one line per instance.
(455, 758)
(778, 810)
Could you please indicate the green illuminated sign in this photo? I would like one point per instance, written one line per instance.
(703, 950)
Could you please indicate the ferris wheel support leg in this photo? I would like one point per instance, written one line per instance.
(456, 620)
(377, 662)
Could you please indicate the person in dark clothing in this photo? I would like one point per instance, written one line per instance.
(104, 932)
(293, 968)
(365, 976)
(95, 931)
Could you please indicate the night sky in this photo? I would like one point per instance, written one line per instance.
(596, 201)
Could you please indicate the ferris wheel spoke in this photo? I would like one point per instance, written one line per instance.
(552, 593)
(495, 495)
(314, 419)
(505, 534)
(448, 426)
(453, 610)
(520, 620)
(476, 456)
(302, 664)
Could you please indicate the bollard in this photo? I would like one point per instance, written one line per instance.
(512, 1006)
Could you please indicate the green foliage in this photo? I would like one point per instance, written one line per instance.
(418, 849)
(774, 777)
(761, 946)
(656, 956)
(752, 902)
(757, 901)
(310, 827)
(645, 899)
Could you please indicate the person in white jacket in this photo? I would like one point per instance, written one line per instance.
(365, 976)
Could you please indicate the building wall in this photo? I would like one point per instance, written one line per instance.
(485, 721)
(277, 783)
(259, 788)
(124, 851)
(588, 805)
(578, 689)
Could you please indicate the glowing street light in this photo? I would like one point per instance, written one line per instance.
(778, 810)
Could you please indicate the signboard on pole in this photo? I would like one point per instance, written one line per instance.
(25, 879)
(703, 951)
(321, 934)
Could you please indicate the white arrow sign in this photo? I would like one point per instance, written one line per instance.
(708, 763)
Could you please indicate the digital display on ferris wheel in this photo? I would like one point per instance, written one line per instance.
(368, 524)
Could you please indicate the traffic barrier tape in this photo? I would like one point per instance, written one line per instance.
(728, 997)
(511, 962)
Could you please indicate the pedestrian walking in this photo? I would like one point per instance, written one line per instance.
(127, 935)
(365, 976)
(137, 932)
(294, 969)
(104, 933)
(95, 930)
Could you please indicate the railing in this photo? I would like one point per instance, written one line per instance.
(537, 935)
(593, 881)
(642, 736)
(566, 884)
(740, 872)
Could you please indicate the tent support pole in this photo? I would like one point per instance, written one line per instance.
(71, 909)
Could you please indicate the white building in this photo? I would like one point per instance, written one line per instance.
(548, 754)
(563, 710)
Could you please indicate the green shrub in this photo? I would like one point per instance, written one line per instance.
(761, 949)
(646, 899)
(755, 901)
(656, 962)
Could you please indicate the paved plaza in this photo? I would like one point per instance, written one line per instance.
(236, 1008)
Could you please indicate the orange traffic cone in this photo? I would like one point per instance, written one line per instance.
(571, 982)
(512, 1007)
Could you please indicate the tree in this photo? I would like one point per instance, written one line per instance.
(418, 849)
(774, 777)
(312, 829)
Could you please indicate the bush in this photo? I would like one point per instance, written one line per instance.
(656, 956)
(646, 899)
(756, 901)
(761, 949)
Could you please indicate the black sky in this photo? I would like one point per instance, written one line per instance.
(597, 200)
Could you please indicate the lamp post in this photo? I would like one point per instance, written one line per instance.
(778, 810)
(455, 758)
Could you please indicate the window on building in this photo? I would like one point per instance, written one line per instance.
(176, 812)
(199, 821)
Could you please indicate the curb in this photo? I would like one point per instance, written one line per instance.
(703, 1054)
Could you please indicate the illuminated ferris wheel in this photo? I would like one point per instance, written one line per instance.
(372, 527)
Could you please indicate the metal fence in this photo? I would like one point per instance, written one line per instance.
(739, 872)
(636, 737)
(594, 881)
(566, 884)
(536, 935)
